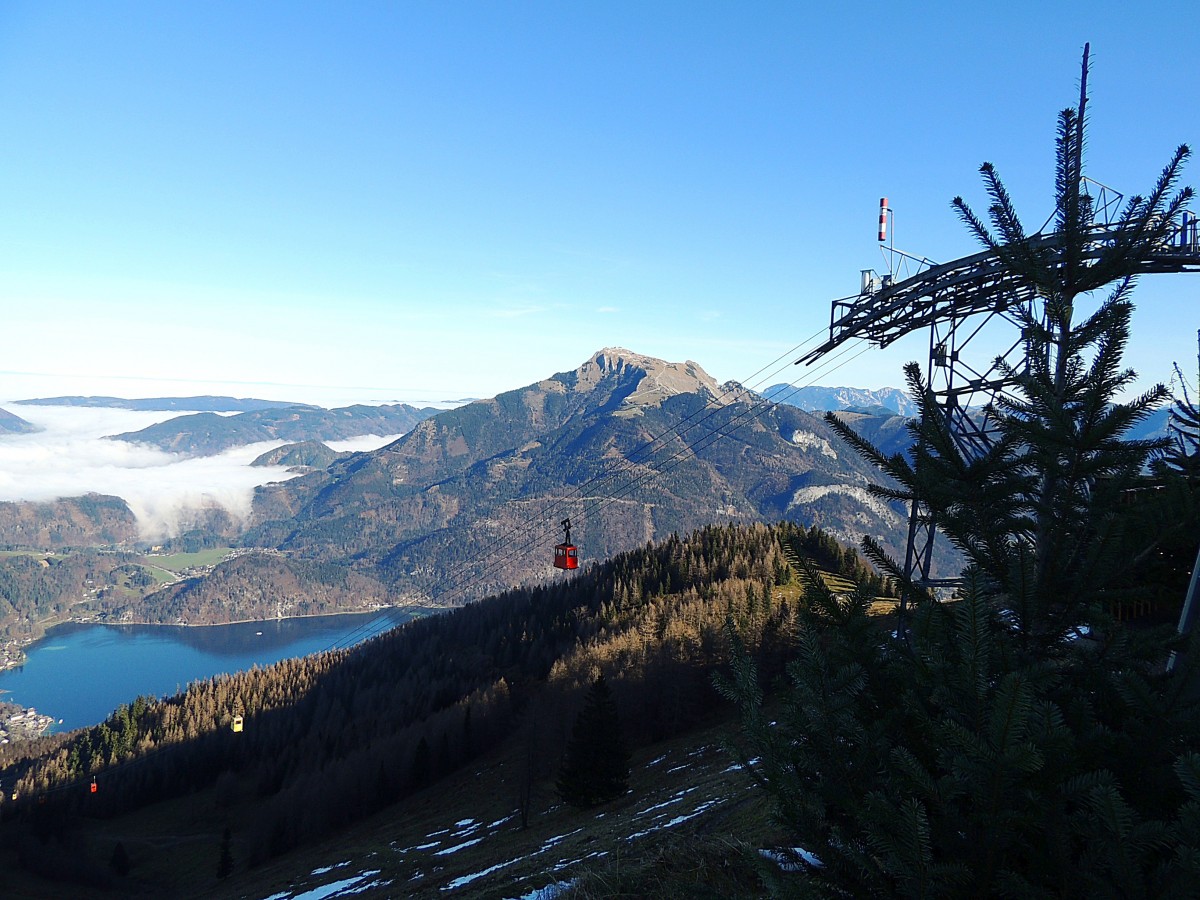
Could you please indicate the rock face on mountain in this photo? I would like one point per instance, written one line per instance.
(629, 447)
(206, 433)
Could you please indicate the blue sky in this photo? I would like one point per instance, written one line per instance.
(426, 201)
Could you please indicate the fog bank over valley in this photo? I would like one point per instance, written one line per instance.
(69, 458)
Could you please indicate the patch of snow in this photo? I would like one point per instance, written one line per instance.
(673, 799)
(786, 859)
(456, 883)
(567, 863)
(346, 886)
(655, 762)
(428, 846)
(737, 767)
(500, 822)
(549, 892)
(550, 842)
(436, 833)
(462, 823)
(458, 847)
(366, 886)
(703, 807)
(324, 869)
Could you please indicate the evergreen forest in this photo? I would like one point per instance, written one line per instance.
(331, 738)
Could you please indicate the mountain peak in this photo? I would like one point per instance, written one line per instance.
(657, 379)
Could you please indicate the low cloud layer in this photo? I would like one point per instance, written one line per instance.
(69, 458)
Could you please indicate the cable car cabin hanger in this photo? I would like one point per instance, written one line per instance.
(566, 554)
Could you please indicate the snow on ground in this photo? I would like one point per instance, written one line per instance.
(457, 847)
(567, 863)
(549, 892)
(467, 879)
(703, 807)
(325, 869)
(787, 859)
(347, 887)
(737, 767)
(420, 864)
(675, 799)
(558, 839)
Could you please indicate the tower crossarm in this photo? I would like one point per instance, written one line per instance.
(982, 283)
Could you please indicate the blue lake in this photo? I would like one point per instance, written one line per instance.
(81, 673)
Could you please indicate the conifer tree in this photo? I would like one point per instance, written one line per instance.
(225, 862)
(595, 768)
(119, 861)
(1020, 743)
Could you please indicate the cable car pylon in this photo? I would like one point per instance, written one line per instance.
(962, 301)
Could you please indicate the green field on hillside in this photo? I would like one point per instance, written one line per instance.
(177, 562)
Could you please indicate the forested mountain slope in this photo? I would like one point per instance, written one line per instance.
(336, 736)
(87, 521)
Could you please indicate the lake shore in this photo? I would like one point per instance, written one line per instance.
(12, 654)
(19, 723)
(87, 669)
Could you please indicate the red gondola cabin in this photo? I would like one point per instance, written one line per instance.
(566, 554)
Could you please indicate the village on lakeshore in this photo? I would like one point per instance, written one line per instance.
(17, 723)
(20, 724)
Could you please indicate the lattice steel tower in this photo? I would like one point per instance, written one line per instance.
(962, 301)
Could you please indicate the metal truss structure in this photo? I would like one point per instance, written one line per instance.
(961, 301)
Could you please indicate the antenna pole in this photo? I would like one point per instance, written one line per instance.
(1087, 48)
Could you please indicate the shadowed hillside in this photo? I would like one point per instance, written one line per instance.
(331, 738)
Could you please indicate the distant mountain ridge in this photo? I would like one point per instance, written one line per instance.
(303, 455)
(816, 398)
(207, 433)
(205, 403)
(11, 424)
